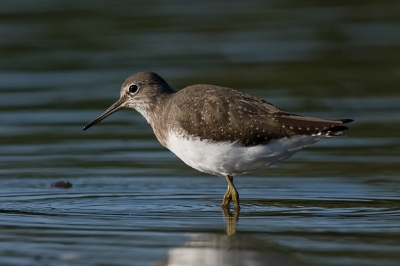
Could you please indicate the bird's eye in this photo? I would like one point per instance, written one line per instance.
(133, 88)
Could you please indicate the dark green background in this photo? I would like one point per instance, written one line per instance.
(132, 201)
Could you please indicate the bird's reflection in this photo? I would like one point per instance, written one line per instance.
(230, 220)
(224, 250)
(228, 249)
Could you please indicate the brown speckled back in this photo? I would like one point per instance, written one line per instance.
(224, 114)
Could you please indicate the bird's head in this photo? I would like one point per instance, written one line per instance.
(142, 91)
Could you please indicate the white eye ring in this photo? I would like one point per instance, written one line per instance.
(133, 88)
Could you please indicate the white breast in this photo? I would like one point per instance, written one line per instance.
(226, 158)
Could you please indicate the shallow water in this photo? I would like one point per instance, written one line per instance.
(132, 201)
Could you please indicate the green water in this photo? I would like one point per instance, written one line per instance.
(132, 201)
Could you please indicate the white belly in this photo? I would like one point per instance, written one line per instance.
(226, 158)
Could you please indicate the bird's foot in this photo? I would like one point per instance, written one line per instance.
(227, 199)
(231, 195)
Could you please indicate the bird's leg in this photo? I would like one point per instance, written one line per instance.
(227, 198)
(235, 195)
(230, 194)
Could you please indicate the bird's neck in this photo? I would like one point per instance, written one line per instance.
(154, 112)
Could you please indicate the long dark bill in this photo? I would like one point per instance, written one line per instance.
(113, 108)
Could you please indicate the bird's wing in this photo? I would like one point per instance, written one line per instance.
(223, 114)
(301, 125)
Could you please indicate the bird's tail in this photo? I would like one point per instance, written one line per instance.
(301, 125)
(337, 130)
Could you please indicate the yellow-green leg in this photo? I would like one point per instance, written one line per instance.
(231, 194)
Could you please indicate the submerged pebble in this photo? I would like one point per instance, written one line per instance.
(61, 184)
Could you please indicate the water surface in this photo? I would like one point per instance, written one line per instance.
(132, 201)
